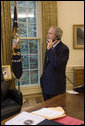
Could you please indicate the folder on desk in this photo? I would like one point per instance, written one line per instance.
(50, 113)
(49, 122)
(67, 120)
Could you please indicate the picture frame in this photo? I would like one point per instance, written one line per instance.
(78, 36)
(6, 69)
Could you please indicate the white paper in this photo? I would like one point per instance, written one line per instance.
(25, 118)
(48, 112)
(72, 92)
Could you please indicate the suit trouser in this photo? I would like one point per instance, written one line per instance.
(47, 96)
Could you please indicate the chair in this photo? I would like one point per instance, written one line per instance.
(11, 100)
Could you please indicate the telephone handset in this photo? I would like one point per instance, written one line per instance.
(55, 39)
(52, 41)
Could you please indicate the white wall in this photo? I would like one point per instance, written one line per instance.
(70, 13)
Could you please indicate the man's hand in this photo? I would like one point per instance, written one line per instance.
(50, 44)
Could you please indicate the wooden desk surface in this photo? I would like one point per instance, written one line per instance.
(72, 104)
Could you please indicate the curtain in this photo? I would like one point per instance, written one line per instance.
(49, 18)
(6, 35)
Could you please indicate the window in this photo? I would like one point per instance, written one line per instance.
(30, 61)
(29, 40)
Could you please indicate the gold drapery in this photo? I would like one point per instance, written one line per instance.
(6, 35)
(49, 18)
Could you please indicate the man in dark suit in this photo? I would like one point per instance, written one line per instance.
(53, 79)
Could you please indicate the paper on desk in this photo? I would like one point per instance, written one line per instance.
(25, 118)
(72, 92)
(50, 113)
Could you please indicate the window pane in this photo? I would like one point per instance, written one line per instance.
(31, 20)
(25, 78)
(23, 29)
(22, 15)
(34, 77)
(25, 62)
(34, 62)
(24, 47)
(22, 3)
(32, 30)
(30, 12)
(12, 9)
(33, 46)
(31, 4)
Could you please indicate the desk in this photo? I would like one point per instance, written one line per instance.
(72, 104)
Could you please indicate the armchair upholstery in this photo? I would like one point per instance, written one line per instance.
(11, 100)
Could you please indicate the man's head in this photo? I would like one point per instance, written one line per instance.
(54, 33)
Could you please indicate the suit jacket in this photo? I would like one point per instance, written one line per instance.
(53, 79)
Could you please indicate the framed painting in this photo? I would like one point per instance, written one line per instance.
(6, 72)
(78, 36)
